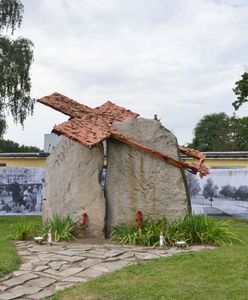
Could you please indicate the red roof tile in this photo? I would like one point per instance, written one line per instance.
(86, 126)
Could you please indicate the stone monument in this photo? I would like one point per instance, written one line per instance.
(144, 170)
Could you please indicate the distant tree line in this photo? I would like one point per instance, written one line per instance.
(210, 190)
(8, 146)
(219, 132)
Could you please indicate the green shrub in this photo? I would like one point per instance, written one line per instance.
(23, 230)
(194, 229)
(62, 228)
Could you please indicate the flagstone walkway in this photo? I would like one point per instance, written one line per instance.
(47, 269)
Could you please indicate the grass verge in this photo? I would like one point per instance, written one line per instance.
(9, 259)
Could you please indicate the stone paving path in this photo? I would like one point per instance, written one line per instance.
(47, 269)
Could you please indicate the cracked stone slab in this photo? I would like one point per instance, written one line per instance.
(90, 273)
(74, 279)
(42, 282)
(3, 288)
(10, 296)
(56, 265)
(25, 290)
(113, 266)
(40, 268)
(113, 253)
(70, 271)
(90, 262)
(26, 267)
(63, 285)
(20, 279)
(41, 295)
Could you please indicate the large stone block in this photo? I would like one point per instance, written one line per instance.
(72, 184)
(139, 181)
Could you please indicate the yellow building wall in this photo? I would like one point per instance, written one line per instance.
(222, 163)
(40, 162)
(32, 162)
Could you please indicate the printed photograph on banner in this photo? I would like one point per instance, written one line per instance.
(21, 190)
(224, 192)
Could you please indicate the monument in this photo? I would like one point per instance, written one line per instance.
(143, 171)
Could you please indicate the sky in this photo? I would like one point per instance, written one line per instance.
(174, 58)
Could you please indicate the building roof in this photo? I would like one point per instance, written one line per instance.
(24, 155)
(223, 155)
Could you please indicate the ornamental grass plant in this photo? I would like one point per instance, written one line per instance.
(62, 228)
(194, 229)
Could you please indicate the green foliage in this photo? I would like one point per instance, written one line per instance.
(11, 12)
(193, 229)
(147, 235)
(219, 132)
(241, 91)
(3, 126)
(201, 229)
(62, 228)
(9, 146)
(9, 259)
(23, 230)
(16, 57)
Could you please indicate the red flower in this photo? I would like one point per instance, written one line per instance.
(84, 218)
(139, 215)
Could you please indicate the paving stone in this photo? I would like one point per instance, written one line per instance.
(41, 295)
(68, 252)
(20, 279)
(6, 277)
(113, 266)
(150, 256)
(65, 266)
(70, 271)
(3, 288)
(55, 265)
(40, 268)
(51, 272)
(90, 262)
(10, 296)
(74, 279)
(90, 273)
(25, 290)
(42, 282)
(24, 252)
(100, 268)
(62, 285)
(126, 255)
(47, 275)
(18, 273)
(26, 267)
(94, 254)
(113, 253)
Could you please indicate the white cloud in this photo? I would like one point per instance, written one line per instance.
(176, 58)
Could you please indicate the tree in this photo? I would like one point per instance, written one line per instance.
(193, 184)
(16, 56)
(242, 192)
(209, 190)
(9, 146)
(219, 132)
(228, 191)
(241, 91)
(212, 133)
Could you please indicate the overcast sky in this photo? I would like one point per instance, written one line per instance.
(175, 58)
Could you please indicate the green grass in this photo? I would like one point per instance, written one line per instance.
(9, 259)
(218, 274)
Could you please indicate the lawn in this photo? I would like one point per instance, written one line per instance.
(9, 259)
(218, 274)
